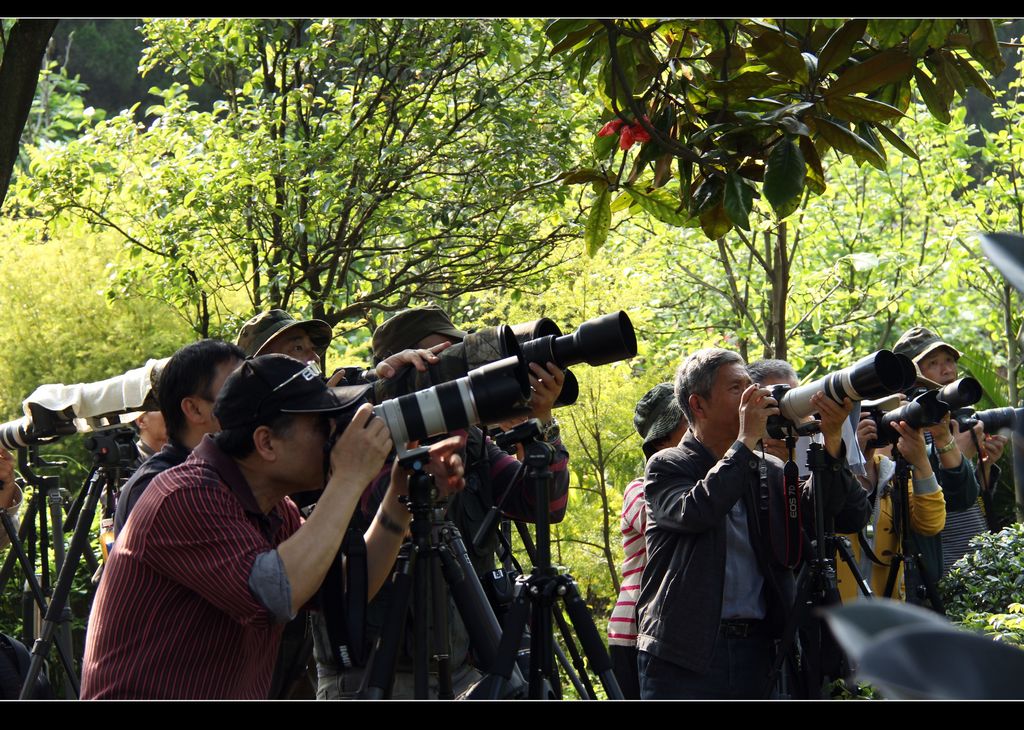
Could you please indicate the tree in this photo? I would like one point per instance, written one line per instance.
(22, 45)
(728, 110)
(350, 166)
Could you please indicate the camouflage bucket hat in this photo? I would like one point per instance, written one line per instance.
(657, 414)
(919, 342)
(264, 327)
(408, 327)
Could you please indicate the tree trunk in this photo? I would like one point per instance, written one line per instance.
(19, 74)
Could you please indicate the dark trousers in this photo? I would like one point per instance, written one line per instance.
(624, 665)
(739, 669)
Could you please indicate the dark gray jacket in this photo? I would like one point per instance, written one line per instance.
(688, 498)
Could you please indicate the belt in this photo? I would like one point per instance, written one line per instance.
(743, 627)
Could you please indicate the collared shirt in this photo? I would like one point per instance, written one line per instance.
(174, 616)
(170, 455)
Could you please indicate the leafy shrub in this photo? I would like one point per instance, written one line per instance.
(989, 577)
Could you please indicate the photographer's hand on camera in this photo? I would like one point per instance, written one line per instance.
(360, 451)
(912, 446)
(832, 416)
(546, 382)
(946, 445)
(756, 405)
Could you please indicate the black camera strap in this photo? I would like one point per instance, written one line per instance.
(787, 543)
(343, 599)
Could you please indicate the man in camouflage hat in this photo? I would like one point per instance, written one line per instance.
(491, 476)
(936, 360)
(307, 340)
(661, 424)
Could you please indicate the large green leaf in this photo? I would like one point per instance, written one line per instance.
(660, 204)
(707, 194)
(879, 70)
(571, 39)
(930, 34)
(815, 179)
(598, 222)
(931, 96)
(581, 175)
(748, 83)
(784, 173)
(840, 45)
(896, 141)
(859, 108)
(778, 55)
(739, 200)
(849, 143)
(715, 222)
(984, 46)
(971, 76)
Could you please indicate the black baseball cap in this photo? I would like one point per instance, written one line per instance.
(268, 385)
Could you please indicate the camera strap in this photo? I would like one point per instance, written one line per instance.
(783, 508)
(343, 599)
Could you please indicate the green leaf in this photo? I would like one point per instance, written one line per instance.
(839, 46)
(896, 141)
(984, 46)
(604, 146)
(598, 222)
(931, 96)
(709, 193)
(888, 32)
(849, 143)
(859, 108)
(739, 200)
(971, 76)
(793, 126)
(815, 179)
(777, 54)
(861, 261)
(784, 173)
(575, 37)
(748, 83)
(879, 70)
(715, 222)
(581, 175)
(622, 201)
(660, 204)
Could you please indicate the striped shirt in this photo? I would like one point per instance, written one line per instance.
(174, 616)
(622, 624)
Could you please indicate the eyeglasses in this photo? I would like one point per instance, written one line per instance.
(311, 371)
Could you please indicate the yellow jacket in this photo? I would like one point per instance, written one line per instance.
(927, 517)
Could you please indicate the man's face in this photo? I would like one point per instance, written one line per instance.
(294, 342)
(939, 366)
(301, 464)
(721, 416)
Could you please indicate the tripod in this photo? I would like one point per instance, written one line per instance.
(434, 556)
(112, 451)
(915, 573)
(537, 592)
(816, 579)
(43, 522)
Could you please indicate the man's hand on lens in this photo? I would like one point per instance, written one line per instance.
(756, 405)
(419, 359)
(360, 451)
(547, 385)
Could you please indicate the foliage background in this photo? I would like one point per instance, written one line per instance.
(876, 252)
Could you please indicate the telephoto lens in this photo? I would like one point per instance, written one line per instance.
(879, 374)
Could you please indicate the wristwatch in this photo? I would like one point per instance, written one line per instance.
(550, 431)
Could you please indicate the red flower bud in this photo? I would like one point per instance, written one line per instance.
(626, 138)
(639, 133)
(610, 128)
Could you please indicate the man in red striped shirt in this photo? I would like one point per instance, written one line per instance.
(216, 558)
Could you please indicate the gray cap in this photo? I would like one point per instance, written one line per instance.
(657, 414)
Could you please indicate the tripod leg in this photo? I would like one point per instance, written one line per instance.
(590, 638)
(577, 670)
(380, 668)
(442, 638)
(58, 604)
